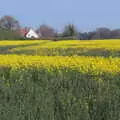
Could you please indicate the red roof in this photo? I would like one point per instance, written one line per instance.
(24, 31)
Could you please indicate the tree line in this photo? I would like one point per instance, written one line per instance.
(9, 29)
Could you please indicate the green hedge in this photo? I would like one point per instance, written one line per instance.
(10, 35)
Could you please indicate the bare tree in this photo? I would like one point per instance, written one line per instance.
(9, 22)
(102, 33)
(46, 31)
(115, 33)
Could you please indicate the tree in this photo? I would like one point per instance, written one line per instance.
(70, 31)
(46, 31)
(102, 33)
(115, 34)
(9, 23)
(90, 35)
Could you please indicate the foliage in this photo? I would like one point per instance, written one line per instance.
(9, 23)
(100, 33)
(9, 28)
(70, 31)
(45, 31)
(9, 35)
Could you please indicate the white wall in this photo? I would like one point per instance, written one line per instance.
(32, 34)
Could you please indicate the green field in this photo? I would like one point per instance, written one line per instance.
(63, 80)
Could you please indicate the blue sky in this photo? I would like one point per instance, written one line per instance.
(85, 14)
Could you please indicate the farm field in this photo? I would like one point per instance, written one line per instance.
(104, 48)
(63, 80)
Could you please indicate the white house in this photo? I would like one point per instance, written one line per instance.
(31, 34)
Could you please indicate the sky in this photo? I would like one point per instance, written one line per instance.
(87, 15)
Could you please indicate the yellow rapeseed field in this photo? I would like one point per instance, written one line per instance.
(62, 80)
(62, 48)
(74, 62)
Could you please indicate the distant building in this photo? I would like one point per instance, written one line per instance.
(29, 33)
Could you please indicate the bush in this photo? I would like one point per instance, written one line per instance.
(9, 35)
